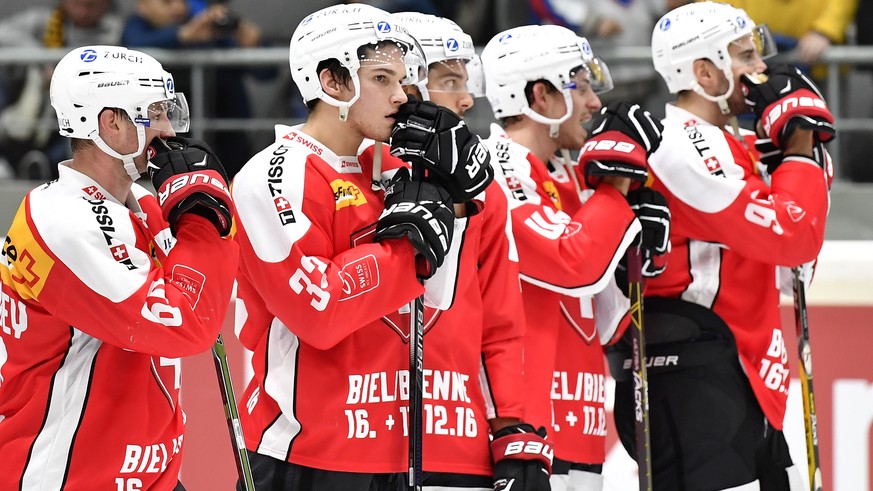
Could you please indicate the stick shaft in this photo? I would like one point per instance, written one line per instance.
(638, 367)
(804, 352)
(416, 386)
(241, 456)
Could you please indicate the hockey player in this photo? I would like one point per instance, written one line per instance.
(542, 82)
(104, 287)
(329, 258)
(480, 335)
(717, 398)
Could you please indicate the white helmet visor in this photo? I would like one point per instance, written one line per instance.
(168, 114)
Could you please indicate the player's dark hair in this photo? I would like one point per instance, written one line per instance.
(340, 73)
(528, 94)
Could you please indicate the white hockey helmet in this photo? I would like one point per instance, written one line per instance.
(92, 78)
(703, 30)
(442, 40)
(520, 55)
(338, 32)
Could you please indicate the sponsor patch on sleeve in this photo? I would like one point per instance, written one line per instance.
(189, 281)
(359, 277)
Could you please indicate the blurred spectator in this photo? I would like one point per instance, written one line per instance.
(31, 148)
(169, 24)
(807, 27)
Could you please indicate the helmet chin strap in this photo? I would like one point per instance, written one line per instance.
(127, 159)
(421, 85)
(342, 105)
(721, 100)
(554, 124)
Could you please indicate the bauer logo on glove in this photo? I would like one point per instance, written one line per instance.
(783, 98)
(189, 178)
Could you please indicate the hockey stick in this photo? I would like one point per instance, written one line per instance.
(416, 384)
(241, 455)
(804, 352)
(638, 366)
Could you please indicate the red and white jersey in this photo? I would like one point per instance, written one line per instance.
(98, 303)
(730, 230)
(331, 378)
(472, 350)
(578, 390)
(478, 342)
(566, 250)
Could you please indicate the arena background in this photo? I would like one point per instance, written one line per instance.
(841, 305)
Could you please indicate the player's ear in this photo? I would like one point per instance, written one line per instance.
(329, 84)
(706, 73)
(539, 95)
(111, 120)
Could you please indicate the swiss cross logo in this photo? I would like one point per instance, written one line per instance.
(119, 252)
(283, 208)
(93, 191)
(712, 164)
(281, 203)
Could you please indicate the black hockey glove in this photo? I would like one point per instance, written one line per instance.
(653, 213)
(189, 178)
(436, 138)
(651, 209)
(622, 138)
(522, 459)
(423, 213)
(783, 98)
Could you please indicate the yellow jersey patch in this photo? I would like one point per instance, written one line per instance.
(347, 194)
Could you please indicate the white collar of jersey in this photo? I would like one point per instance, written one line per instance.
(68, 176)
(675, 112)
(295, 134)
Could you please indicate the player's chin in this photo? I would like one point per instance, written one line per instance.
(381, 133)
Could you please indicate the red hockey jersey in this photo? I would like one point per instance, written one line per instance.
(478, 340)
(98, 302)
(729, 232)
(578, 390)
(331, 377)
(565, 249)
